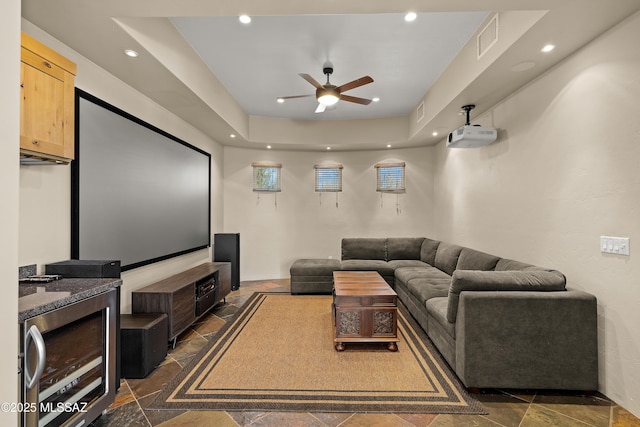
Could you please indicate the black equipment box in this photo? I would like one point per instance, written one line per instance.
(144, 339)
(84, 268)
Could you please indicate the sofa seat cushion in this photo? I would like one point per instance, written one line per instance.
(364, 248)
(404, 248)
(404, 274)
(315, 267)
(437, 312)
(381, 267)
(403, 263)
(530, 279)
(425, 289)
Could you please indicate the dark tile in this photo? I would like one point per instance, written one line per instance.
(201, 418)
(591, 409)
(129, 415)
(156, 416)
(504, 409)
(539, 416)
(155, 380)
(186, 349)
(289, 419)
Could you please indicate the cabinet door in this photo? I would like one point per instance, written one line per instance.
(46, 125)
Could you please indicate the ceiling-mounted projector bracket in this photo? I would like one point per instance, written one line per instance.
(468, 109)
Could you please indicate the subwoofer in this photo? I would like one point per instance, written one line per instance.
(226, 248)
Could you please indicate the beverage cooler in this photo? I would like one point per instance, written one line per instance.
(68, 364)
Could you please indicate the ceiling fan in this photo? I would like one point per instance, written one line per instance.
(329, 94)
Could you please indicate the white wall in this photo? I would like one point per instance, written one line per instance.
(9, 176)
(44, 233)
(296, 223)
(564, 172)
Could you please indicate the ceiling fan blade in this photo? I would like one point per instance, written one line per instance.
(295, 96)
(321, 108)
(311, 80)
(356, 83)
(355, 99)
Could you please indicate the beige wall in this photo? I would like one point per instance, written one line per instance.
(297, 223)
(9, 137)
(564, 172)
(45, 238)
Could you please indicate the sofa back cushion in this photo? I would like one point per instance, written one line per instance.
(404, 248)
(364, 248)
(532, 279)
(428, 251)
(447, 257)
(470, 259)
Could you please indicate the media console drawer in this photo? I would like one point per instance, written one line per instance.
(177, 295)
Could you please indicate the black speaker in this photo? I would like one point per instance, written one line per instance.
(226, 248)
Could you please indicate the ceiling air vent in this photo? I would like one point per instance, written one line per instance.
(488, 36)
(420, 112)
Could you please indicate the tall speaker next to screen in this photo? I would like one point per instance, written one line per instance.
(226, 248)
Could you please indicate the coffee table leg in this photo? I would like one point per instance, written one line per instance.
(340, 346)
(392, 346)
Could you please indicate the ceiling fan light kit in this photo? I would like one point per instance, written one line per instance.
(328, 94)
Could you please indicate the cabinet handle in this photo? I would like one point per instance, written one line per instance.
(34, 142)
(46, 64)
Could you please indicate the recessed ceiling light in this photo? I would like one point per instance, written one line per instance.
(130, 52)
(268, 147)
(280, 101)
(388, 145)
(376, 99)
(233, 135)
(328, 148)
(548, 48)
(410, 17)
(245, 19)
(435, 133)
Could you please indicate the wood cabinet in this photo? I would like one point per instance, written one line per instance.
(47, 101)
(178, 296)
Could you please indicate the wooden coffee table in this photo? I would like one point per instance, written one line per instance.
(364, 309)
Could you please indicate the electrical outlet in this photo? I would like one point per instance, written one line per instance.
(614, 245)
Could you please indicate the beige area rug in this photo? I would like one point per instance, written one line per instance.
(277, 354)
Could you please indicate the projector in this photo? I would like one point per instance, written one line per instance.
(469, 136)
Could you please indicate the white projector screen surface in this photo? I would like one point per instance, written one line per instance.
(140, 194)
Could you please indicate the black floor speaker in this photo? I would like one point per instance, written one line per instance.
(226, 248)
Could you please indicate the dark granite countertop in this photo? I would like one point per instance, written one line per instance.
(38, 298)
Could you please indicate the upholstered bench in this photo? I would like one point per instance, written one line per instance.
(313, 276)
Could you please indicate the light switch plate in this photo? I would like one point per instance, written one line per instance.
(614, 245)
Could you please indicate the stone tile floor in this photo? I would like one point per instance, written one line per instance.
(507, 408)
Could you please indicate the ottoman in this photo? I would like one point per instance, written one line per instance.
(313, 276)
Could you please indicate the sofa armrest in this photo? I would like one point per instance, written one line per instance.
(535, 279)
(527, 340)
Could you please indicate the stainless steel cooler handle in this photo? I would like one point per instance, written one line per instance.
(34, 334)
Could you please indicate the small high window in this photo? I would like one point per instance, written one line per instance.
(390, 177)
(266, 176)
(328, 178)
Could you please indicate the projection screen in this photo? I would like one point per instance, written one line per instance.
(139, 194)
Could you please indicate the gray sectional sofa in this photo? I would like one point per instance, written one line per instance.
(499, 323)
